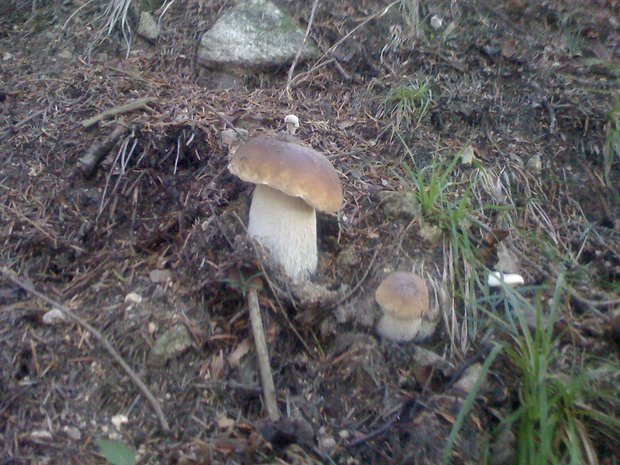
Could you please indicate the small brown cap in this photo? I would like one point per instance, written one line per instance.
(403, 295)
(291, 168)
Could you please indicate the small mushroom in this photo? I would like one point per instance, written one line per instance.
(292, 123)
(404, 300)
(291, 182)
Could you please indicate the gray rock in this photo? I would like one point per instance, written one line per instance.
(253, 34)
(431, 234)
(147, 27)
(216, 80)
(65, 55)
(400, 205)
(54, 317)
(349, 257)
(160, 276)
(173, 342)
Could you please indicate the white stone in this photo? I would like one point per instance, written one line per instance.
(133, 298)
(148, 28)
(254, 34)
(119, 420)
(54, 317)
(436, 22)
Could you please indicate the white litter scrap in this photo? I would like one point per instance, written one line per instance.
(498, 279)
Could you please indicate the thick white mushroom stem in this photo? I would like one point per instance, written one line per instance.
(287, 227)
(397, 329)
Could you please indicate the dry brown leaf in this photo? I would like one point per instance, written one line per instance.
(239, 352)
(224, 422)
(216, 366)
(509, 48)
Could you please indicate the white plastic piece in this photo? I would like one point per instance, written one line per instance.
(497, 278)
(436, 22)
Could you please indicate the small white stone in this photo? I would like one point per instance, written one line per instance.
(7, 56)
(133, 298)
(73, 432)
(54, 317)
(41, 434)
(469, 378)
(160, 276)
(327, 443)
(344, 434)
(119, 420)
(467, 155)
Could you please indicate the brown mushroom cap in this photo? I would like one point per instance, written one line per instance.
(291, 168)
(403, 295)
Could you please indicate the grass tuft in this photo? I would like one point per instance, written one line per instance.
(557, 413)
(446, 203)
(406, 105)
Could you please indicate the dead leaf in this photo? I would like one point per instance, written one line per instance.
(214, 368)
(509, 48)
(345, 124)
(224, 422)
(237, 354)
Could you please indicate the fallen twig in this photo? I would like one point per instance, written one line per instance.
(331, 49)
(97, 152)
(140, 104)
(291, 70)
(274, 289)
(262, 355)
(100, 337)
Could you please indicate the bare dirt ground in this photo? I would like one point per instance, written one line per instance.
(521, 81)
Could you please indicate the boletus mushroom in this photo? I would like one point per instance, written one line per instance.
(292, 181)
(404, 300)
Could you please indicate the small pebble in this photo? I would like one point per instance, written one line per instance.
(133, 298)
(54, 317)
(119, 420)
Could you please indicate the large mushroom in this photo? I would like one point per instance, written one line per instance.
(292, 181)
(404, 299)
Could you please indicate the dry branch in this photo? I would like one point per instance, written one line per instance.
(100, 337)
(99, 150)
(291, 70)
(140, 104)
(269, 390)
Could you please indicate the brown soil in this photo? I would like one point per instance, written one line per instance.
(518, 80)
